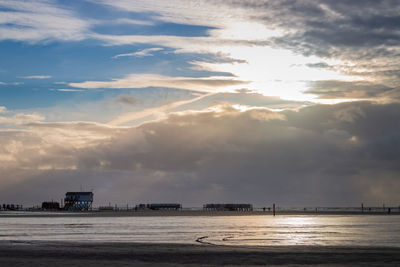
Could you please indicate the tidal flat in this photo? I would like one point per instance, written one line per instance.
(146, 254)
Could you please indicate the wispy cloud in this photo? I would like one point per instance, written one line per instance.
(336, 89)
(181, 44)
(36, 77)
(12, 83)
(127, 100)
(132, 21)
(191, 12)
(40, 21)
(69, 90)
(141, 53)
(160, 111)
(212, 84)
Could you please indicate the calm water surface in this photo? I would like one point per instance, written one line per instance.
(230, 230)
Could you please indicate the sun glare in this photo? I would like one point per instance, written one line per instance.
(270, 70)
(275, 72)
(250, 31)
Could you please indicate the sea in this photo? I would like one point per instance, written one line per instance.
(257, 230)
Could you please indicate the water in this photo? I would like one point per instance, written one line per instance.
(325, 230)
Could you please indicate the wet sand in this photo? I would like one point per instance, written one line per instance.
(123, 213)
(140, 254)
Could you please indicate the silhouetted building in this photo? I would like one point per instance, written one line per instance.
(11, 207)
(164, 206)
(140, 207)
(50, 206)
(106, 208)
(78, 201)
(228, 207)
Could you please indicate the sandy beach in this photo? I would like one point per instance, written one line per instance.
(140, 254)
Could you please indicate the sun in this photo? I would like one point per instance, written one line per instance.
(272, 71)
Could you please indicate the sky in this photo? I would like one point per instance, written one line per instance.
(240, 101)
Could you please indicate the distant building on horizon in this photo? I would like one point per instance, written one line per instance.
(159, 206)
(50, 205)
(228, 207)
(78, 201)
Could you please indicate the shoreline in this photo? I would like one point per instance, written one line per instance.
(43, 253)
(151, 213)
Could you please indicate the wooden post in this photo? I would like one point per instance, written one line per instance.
(273, 209)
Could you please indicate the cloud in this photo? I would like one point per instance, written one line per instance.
(40, 21)
(147, 80)
(75, 127)
(199, 101)
(36, 77)
(69, 90)
(157, 111)
(12, 83)
(366, 45)
(243, 91)
(141, 53)
(181, 44)
(332, 38)
(363, 35)
(183, 12)
(244, 99)
(127, 100)
(344, 89)
(20, 118)
(313, 28)
(217, 146)
(321, 65)
(132, 21)
(319, 155)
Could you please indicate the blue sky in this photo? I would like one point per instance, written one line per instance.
(56, 63)
(232, 89)
(48, 46)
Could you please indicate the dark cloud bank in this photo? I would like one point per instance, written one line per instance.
(340, 154)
